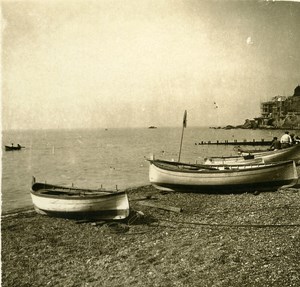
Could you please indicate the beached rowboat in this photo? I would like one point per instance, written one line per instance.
(71, 202)
(168, 175)
(250, 156)
(289, 153)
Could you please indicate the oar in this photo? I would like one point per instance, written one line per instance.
(203, 166)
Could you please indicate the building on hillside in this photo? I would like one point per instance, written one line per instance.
(281, 111)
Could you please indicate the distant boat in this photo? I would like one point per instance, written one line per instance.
(168, 175)
(152, 127)
(11, 148)
(71, 202)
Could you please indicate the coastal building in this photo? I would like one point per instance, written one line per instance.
(281, 112)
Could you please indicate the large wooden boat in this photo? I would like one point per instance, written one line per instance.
(71, 202)
(266, 156)
(289, 153)
(168, 175)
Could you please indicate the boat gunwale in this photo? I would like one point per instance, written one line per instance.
(53, 186)
(74, 193)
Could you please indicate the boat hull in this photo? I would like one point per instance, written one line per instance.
(290, 153)
(167, 176)
(251, 157)
(77, 203)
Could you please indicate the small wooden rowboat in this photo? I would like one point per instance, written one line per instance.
(11, 148)
(71, 202)
(167, 175)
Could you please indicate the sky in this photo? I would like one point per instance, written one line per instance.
(137, 63)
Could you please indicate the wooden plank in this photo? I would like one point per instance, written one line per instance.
(148, 197)
(160, 206)
(94, 222)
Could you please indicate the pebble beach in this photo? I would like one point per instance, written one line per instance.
(246, 239)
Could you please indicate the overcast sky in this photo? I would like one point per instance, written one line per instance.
(136, 63)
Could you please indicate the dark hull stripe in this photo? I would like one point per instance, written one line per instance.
(267, 186)
(105, 214)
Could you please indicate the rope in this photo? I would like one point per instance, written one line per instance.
(233, 225)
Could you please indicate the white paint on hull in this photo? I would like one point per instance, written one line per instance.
(268, 174)
(291, 153)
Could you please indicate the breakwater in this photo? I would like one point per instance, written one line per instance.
(254, 142)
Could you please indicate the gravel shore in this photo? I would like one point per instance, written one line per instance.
(216, 240)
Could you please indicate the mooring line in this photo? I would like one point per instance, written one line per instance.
(232, 225)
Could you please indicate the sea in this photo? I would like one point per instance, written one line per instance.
(108, 158)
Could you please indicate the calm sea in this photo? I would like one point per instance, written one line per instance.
(113, 157)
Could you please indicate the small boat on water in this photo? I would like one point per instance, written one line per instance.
(72, 202)
(168, 175)
(11, 148)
